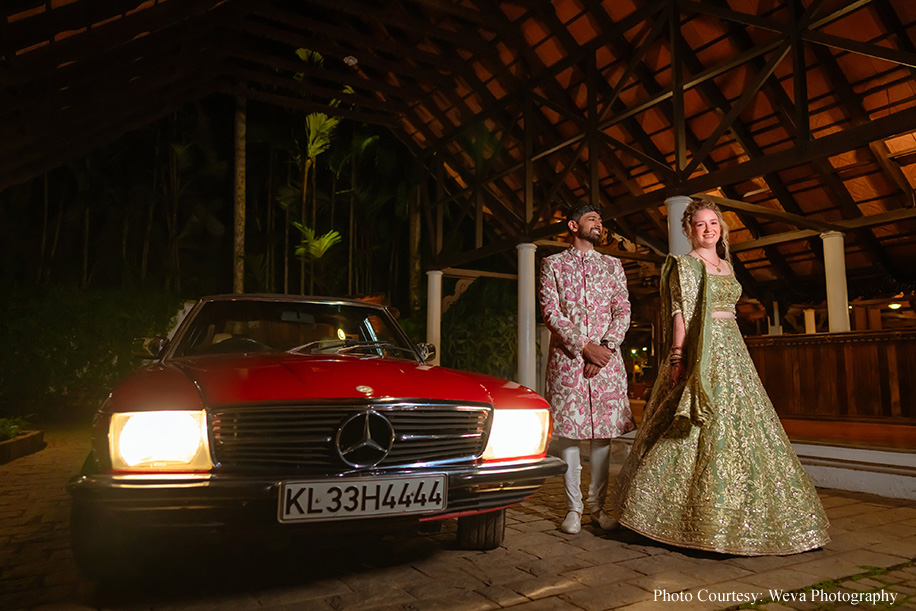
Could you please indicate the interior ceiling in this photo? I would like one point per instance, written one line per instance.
(799, 115)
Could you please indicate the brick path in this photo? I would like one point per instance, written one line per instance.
(539, 568)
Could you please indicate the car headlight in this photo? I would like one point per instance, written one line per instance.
(159, 441)
(518, 433)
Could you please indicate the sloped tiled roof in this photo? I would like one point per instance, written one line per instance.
(799, 115)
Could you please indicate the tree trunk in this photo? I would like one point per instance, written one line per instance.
(302, 217)
(85, 280)
(125, 241)
(238, 268)
(44, 232)
(172, 281)
(352, 230)
(333, 196)
(314, 227)
(289, 180)
(271, 221)
(148, 232)
(413, 213)
(57, 225)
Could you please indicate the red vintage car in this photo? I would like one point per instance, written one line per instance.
(277, 414)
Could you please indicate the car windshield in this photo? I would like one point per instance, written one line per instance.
(238, 326)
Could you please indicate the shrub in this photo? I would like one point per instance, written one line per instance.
(63, 348)
(480, 330)
(11, 427)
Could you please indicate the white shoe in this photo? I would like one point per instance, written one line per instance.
(573, 523)
(603, 520)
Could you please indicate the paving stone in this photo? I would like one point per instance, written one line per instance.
(848, 563)
(448, 600)
(650, 565)
(502, 595)
(536, 526)
(314, 605)
(556, 565)
(830, 501)
(834, 514)
(595, 576)
(537, 568)
(903, 547)
(777, 607)
(671, 581)
(489, 576)
(609, 554)
(908, 590)
(543, 587)
(539, 545)
(785, 579)
(313, 592)
(606, 597)
(553, 603)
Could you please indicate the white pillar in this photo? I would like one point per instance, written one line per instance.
(835, 273)
(774, 327)
(810, 322)
(434, 311)
(678, 244)
(527, 340)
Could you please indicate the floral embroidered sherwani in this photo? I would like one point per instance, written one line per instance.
(584, 299)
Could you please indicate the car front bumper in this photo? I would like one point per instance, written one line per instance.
(222, 500)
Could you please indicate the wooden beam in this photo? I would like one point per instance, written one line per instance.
(874, 220)
(456, 272)
(779, 215)
(305, 105)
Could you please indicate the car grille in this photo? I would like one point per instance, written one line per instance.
(301, 438)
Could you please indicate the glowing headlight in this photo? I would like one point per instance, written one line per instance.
(159, 441)
(517, 433)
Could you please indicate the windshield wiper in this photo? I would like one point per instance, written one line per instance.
(347, 345)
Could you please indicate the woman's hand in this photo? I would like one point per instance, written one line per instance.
(677, 372)
(676, 363)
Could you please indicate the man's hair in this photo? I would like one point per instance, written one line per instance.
(576, 212)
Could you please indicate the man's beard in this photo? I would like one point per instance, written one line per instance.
(588, 236)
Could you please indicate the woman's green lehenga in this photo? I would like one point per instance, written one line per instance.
(711, 467)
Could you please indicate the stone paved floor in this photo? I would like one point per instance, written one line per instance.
(539, 568)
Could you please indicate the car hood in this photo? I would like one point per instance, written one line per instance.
(283, 378)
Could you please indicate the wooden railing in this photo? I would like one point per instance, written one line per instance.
(867, 375)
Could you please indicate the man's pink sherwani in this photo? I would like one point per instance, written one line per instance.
(584, 298)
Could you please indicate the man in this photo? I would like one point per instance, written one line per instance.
(584, 302)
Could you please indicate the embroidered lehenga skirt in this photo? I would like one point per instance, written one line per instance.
(733, 484)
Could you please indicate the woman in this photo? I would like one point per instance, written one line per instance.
(711, 467)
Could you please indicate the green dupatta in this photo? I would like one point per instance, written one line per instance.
(684, 282)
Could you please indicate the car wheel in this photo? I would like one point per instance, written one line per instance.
(101, 548)
(482, 531)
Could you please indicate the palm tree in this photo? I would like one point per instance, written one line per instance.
(319, 132)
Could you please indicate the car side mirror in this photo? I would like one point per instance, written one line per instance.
(148, 347)
(427, 351)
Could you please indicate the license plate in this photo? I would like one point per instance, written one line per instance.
(302, 501)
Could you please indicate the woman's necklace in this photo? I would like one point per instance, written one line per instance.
(716, 265)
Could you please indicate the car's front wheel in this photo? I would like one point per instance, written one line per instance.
(482, 531)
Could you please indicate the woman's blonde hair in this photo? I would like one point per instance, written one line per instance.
(687, 224)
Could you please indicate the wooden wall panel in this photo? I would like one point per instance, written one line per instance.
(869, 376)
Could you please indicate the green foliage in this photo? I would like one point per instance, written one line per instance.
(320, 130)
(64, 348)
(480, 330)
(314, 247)
(12, 427)
(310, 57)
